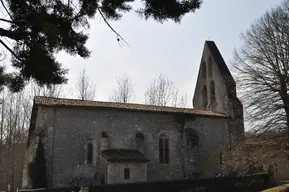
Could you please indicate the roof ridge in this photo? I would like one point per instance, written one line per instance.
(53, 101)
(137, 104)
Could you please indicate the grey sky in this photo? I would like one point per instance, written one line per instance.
(169, 48)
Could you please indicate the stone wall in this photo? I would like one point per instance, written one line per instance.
(227, 101)
(281, 168)
(220, 87)
(44, 126)
(67, 131)
(115, 172)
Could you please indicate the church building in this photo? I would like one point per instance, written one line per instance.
(76, 141)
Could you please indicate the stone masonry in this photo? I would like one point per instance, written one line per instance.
(177, 143)
(66, 131)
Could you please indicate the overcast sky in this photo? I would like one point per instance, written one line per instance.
(171, 49)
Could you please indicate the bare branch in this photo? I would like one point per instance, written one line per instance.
(262, 71)
(119, 37)
(47, 91)
(4, 6)
(10, 50)
(162, 92)
(256, 153)
(85, 88)
(5, 20)
(124, 92)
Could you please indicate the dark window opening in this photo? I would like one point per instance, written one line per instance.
(103, 134)
(164, 149)
(126, 173)
(205, 96)
(139, 139)
(102, 179)
(210, 67)
(213, 93)
(89, 153)
(221, 158)
(204, 70)
(96, 176)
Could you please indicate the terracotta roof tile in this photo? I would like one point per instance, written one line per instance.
(60, 102)
(124, 155)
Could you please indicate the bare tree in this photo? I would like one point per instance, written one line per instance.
(262, 70)
(47, 91)
(262, 73)
(85, 88)
(256, 153)
(124, 92)
(162, 92)
(179, 100)
(14, 123)
(14, 130)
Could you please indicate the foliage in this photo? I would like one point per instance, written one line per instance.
(41, 28)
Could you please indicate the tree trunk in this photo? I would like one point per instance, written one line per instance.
(1, 138)
(285, 99)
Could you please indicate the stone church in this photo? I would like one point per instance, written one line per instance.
(72, 141)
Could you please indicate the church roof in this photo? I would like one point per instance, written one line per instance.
(124, 155)
(60, 102)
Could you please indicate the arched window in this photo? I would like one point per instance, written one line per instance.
(89, 153)
(204, 69)
(139, 139)
(213, 93)
(205, 96)
(163, 149)
(210, 63)
(192, 139)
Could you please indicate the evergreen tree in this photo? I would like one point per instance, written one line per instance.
(41, 28)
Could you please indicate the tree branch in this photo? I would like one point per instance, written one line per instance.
(107, 23)
(11, 34)
(5, 20)
(6, 10)
(10, 50)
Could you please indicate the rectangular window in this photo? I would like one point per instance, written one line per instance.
(89, 153)
(221, 158)
(126, 173)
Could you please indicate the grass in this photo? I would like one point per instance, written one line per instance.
(277, 189)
